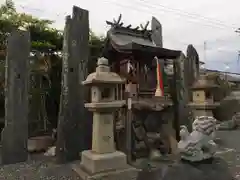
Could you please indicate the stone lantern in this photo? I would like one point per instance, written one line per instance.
(203, 97)
(103, 161)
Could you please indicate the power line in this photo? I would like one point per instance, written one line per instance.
(193, 15)
(218, 22)
(204, 50)
(64, 14)
(222, 50)
(164, 9)
(238, 32)
(220, 40)
(148, 10)
(138, 10)
(170, 9)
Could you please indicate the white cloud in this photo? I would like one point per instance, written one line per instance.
(179, 28)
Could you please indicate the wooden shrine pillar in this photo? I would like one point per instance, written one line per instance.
(74, 120)
(15, 132)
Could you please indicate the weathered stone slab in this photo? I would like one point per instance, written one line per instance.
(157, 32)
(15, 133)
(73, 117)
(180, 95)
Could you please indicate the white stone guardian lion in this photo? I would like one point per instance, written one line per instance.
(198, 145)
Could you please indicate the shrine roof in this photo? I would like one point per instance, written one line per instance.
(127, 40)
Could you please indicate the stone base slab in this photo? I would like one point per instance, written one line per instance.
(109, 166)
(95, 163)
(128, 173)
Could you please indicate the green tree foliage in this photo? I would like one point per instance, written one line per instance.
(96, 45)
(44, 39)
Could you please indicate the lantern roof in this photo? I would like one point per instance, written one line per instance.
(103, 75)
(204, 83)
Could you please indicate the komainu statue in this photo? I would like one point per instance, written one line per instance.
(198, 145)
(197, 161)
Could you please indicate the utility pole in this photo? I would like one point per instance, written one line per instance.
(238, 57)
(238, 32)
(226, 69)
(204, 50)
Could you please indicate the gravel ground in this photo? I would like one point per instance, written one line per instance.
(38, 170)
(42, 168)
(230, 139)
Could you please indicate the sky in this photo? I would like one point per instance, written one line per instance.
(184, 22)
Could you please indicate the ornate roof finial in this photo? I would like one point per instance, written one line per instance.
(116, 22)
(119, 19)
(144, 28)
